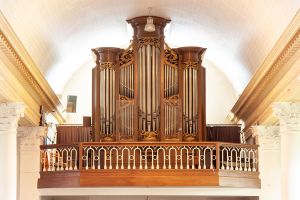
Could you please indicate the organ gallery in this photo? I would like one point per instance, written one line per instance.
(149, 91)
(148, 123)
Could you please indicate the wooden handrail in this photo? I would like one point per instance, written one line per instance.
(148, 143)
(53, 146)
(225, 144)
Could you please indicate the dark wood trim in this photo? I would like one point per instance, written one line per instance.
(138, 24)
(180, 96)
(136, 91)
(202, 112)
(117, 98)
(162, 82)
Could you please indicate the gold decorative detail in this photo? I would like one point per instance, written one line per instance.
(174, 138)
(107, 65)
(173, 100)
(193, 65)
(149, 135)
(126, 57)
(148, 41)
(189, 137)
(171, 56)
(125, 101)
(108, 139)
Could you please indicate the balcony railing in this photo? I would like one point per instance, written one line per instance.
(103, 158)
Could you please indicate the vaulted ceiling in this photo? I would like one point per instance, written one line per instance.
(59, 34)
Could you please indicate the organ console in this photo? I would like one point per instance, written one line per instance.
(149, 91)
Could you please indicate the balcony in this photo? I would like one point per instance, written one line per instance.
(95, 164)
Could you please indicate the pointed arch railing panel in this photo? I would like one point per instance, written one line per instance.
(150, 156)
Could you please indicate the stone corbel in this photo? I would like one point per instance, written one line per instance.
(10, 114)
(30, 138)
(289, 116)
(267, 137)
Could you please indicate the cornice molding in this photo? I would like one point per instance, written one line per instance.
(13, 49)
(268, 83)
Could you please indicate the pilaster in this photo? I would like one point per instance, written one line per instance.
(29, 141)
(288, 114)
(268, 138)
(10, 114)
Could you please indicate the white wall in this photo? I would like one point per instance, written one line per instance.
(220, 94)
(80, 85)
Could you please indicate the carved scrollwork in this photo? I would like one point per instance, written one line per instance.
(190, 65)
(107, 65)
(171, 56)
(148, 41)
(125, 57)
(149, 135)
(125, 101)
(172, 101)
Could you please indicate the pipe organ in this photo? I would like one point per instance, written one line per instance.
(149, 91)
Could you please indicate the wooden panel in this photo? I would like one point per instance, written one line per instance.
(58, 179)
(148, 178)
(203, 105)
(73, 134)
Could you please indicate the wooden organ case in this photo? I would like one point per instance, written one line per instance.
(149, 91)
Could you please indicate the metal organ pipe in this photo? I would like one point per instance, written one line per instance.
(126, 111)
(192, 118)
(170, 90)
(148, 60)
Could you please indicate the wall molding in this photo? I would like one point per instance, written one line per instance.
(270, 82)
(20, 64)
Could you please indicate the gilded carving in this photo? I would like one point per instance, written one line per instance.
(172, 101)
(149, 135)
(107, 65)
(125, 101)
(148, 41)
(171, 56)
(193, 65)
(126, 57)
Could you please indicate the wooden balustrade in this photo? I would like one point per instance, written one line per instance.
(142, 163)
(103, 156)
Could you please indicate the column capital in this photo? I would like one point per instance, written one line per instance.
(268, 137)
(288, 114)
(12, 109)
(10, 114)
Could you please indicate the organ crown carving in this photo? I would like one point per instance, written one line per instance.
(149, 91)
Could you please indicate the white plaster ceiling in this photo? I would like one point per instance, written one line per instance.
(59, 34)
